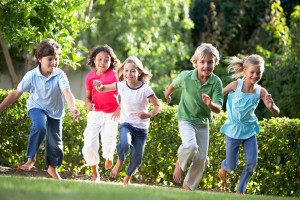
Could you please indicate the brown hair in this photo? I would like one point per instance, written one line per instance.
(105, 48)
(47, 47)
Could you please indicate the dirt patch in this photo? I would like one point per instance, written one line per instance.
(8, 171)
(37, 173)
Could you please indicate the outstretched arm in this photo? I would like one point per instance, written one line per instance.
(269, 102)
(10, 99)
(168, 93)
(71, 103)
(105, 88)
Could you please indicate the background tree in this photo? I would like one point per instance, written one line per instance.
(23, 24)
(158, 32)
(283, 76)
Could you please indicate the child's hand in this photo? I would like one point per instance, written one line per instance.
(168, 97)
(116, 115)
(98, 85)
(269, 101)
(75, 114)
(206, 99)
(90, 106)
(143, 115)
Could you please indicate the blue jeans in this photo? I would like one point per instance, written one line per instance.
(232, 158)
(133, 139)
(45, 127)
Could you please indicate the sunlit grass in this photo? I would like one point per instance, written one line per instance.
(22, 188)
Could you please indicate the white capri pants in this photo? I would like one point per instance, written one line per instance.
(99, 122)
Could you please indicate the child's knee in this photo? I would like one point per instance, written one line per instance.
(124, 146)
(251, 167)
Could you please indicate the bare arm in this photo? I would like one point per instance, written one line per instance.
(71, 103)
(211, 105)
(156, 108)
(10, 99)
(230, 87)
(269, 102)
(105, 88)
(168, 93)
(88, 101)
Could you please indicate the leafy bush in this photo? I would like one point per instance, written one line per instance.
(279, 150)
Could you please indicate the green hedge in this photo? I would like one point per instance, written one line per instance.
(278, 170)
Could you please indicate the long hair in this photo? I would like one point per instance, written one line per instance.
(145, 76)
(237, 66)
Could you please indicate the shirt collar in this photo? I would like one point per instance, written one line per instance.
(54, 72)
(195, 77)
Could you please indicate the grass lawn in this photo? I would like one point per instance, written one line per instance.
(23, 188)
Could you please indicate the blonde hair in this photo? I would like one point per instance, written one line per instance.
(145, 76)
(205, 49)
(237, 65)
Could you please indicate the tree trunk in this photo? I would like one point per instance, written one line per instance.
(89, 9)
(29, 63)
(14, 77)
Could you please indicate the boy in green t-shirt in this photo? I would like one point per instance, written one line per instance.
(201, 95)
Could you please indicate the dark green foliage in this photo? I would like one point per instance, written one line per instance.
(277, 173)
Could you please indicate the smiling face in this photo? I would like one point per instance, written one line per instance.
(253, 73)
(48, 63)
(131, 73)
(205, 65)
(102, 62)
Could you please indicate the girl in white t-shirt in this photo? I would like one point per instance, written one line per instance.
(134, 120)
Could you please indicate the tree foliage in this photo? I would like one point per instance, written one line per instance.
(158, 32)
(23, 24)
(283, 76)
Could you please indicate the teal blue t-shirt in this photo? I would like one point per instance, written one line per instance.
(191, 107)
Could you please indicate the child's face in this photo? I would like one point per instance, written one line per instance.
(253, 73)
(102, 62)
(48, 63)
(130, 72)
(205, 65)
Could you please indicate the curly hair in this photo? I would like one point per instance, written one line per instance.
(105, 48)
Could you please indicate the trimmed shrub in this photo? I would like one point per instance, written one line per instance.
(277, 173)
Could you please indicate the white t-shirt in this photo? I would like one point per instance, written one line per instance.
(133, 101)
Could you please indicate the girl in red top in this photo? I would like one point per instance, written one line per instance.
(103, 110)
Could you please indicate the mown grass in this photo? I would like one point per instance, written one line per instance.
(23, 188)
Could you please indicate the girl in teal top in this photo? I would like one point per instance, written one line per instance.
(241, 126)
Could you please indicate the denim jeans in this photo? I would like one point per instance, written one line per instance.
(193, 151)
(45, 127)
(232, 158)
(133, 139)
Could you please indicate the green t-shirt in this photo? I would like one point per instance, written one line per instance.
(191, 107)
